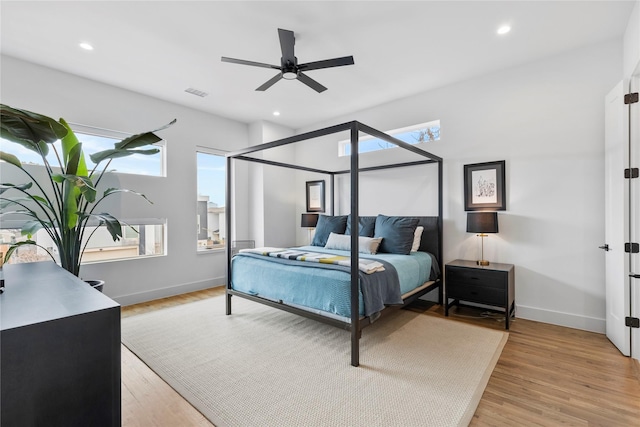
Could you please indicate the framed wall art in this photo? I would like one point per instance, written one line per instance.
(484, 186)
(315, 196)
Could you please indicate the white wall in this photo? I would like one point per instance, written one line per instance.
(631, 42)
(546, 119)
(87, 102)
(272, 214)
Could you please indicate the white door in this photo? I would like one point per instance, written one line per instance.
(634, 212)
(616, 219)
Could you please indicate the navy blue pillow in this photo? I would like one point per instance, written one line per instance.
(366, 225)
(327, 225)
(396, 232)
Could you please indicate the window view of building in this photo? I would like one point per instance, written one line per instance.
(415, 134)
(211, 200)
(137, 241)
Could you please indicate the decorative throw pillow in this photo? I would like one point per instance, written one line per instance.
(327, 225)
(416, 238)
(342, 242)
(366, 224)
(397, 233)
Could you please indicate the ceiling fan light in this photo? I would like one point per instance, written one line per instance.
(289, 75)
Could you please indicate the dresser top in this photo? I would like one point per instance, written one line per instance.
(494, 266)
(42, 291)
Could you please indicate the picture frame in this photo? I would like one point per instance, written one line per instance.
(484, 186)
(315, 196)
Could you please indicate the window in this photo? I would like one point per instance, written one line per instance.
(141, 238)
(416, 134)
(95, 140)
(210, 218)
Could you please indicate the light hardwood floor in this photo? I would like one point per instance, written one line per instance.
(547, 376)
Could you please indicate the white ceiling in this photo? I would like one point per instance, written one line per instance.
(400, 48)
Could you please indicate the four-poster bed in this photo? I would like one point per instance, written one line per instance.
(356, 319)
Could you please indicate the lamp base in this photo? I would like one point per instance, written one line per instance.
(482, 262)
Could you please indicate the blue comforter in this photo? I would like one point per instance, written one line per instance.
(326, 287)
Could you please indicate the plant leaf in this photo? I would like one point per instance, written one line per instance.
(29, 129)
(83, 183)
(7, 186)
(72, 160)
(10, 158)
(113, 225)
(30, 228)
(114, 153)
(142, 139)
(110, 191)
(69, 144)
(15, 246)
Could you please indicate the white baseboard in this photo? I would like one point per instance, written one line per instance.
(170, 291)
(568, 320)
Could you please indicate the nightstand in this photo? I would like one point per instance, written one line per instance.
(493, 285)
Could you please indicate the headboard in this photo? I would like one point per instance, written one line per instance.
(429, 241)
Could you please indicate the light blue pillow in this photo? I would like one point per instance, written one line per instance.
(397, 233)
(327, 225)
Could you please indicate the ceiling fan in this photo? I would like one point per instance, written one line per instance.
(289, 67)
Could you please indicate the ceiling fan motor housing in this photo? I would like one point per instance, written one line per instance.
(289, 70)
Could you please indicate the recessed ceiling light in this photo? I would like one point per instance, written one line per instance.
(86, 46)
(504, 29)
(276, 113)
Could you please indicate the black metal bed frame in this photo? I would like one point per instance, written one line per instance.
(356, 322)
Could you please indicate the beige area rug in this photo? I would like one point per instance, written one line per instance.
(265, 367)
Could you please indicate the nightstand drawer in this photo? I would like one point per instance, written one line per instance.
(478, 294)
(476, 277)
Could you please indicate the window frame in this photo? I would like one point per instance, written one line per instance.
(345, 144)
(119, 135)
(16, 224)
(216, 152)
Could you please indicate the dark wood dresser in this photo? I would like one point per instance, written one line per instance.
(59, 352)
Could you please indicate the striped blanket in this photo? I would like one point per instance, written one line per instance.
(367, 266)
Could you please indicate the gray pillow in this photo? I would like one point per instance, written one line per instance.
(397, 233)
(366, 224)
(366, 245)
(327, 225)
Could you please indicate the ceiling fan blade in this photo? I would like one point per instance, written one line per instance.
(270, 83)
(311, 83)
(327, 63)
(252, 63)
(287, 41)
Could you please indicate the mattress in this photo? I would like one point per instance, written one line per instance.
(320, 289)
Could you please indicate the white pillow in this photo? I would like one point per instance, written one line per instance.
(342, 242)
(416, 238)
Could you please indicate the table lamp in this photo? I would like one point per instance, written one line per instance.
(309, 221)
(482, 222)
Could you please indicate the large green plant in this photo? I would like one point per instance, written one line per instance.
(64, 204)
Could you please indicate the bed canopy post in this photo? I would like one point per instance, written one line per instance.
(227, 219)
(355, 227)
(332, 189)
(440, 227)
